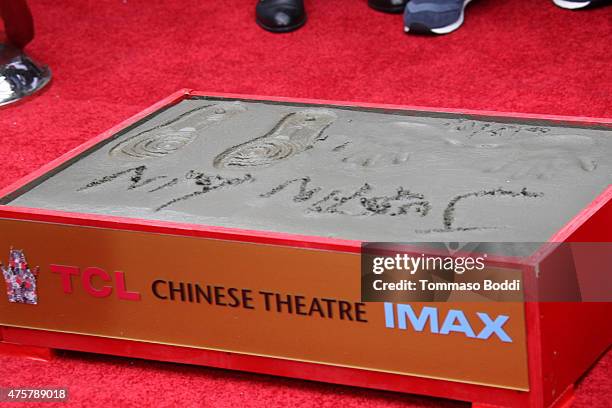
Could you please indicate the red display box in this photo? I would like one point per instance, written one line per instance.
(96, 293)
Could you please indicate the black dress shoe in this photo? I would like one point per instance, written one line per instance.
(388, 6)
(280, 16)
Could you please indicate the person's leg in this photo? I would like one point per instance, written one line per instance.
(280, 16)
(20, 76)
(434, 16)
(18, 23)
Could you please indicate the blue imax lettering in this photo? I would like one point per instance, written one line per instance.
(401, 316)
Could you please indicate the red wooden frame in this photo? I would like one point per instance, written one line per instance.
(582, 227)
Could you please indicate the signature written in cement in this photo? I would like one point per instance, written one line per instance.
(363, 200)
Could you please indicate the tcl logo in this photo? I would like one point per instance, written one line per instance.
(117, 282)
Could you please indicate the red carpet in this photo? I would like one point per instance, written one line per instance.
(112, 58)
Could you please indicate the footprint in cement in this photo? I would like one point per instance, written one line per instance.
(173, 135)
(295, 133)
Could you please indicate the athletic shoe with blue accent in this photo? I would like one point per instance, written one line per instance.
(434, 16)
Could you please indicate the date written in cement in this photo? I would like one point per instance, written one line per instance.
(28, 394)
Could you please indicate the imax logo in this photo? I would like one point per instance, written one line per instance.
(454, 321)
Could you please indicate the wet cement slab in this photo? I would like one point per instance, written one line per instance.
(369, 175)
